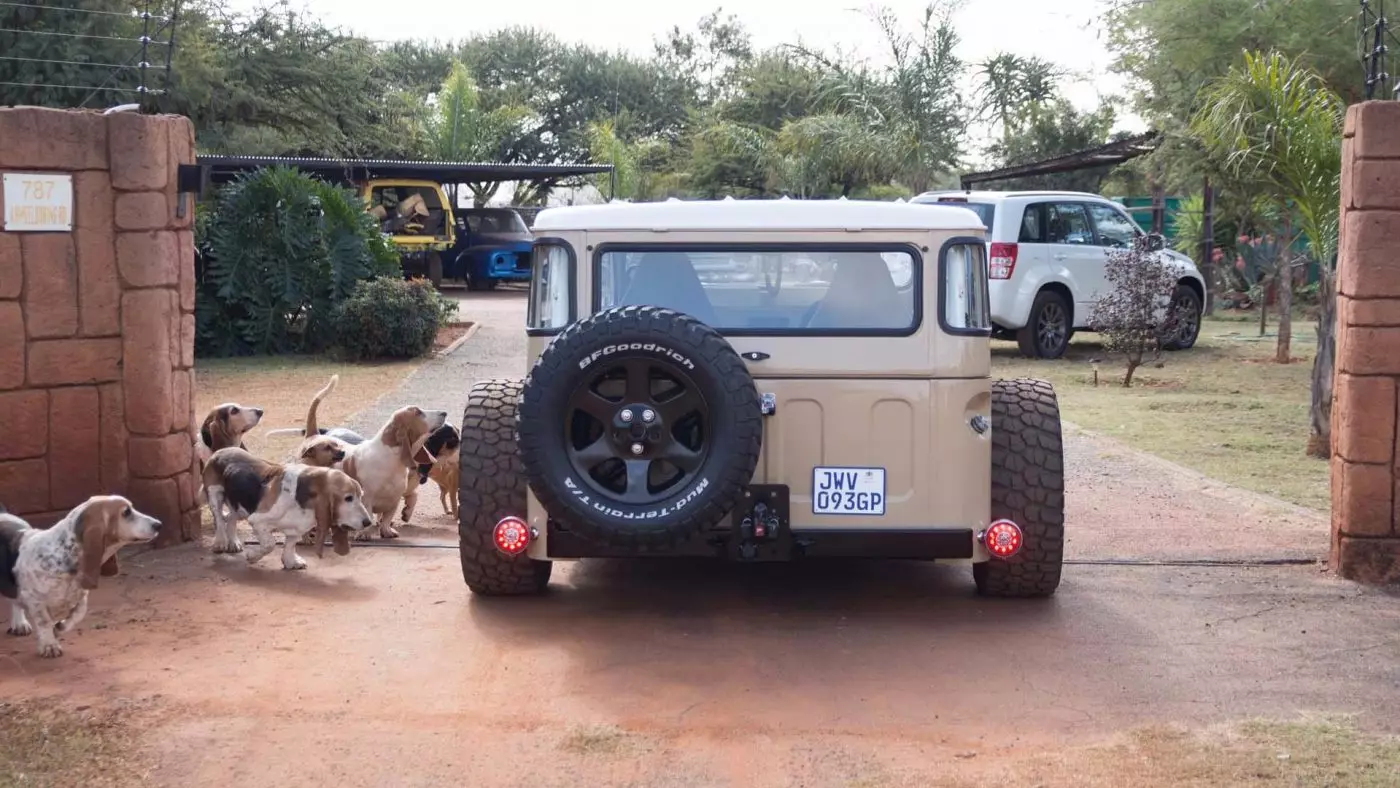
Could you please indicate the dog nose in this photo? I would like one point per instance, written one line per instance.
(258, 411)
(365, 523)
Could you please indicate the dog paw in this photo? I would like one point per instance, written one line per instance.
(50, 650)
(255, 556)
(295, 564)
(229, 548)
(361, 536)
(20, 630)
(388, 532)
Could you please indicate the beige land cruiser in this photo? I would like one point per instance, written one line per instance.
(762, 381)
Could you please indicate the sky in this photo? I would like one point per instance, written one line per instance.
(1062, 31)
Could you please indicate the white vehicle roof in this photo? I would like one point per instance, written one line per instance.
(783, 214)
(991, 196)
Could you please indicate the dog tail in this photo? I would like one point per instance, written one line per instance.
(287, 431)
(316, 403)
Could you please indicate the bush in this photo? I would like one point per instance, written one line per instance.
(278, 252)
(391, 318)
(1132, 316)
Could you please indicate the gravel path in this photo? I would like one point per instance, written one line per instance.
(497, 349)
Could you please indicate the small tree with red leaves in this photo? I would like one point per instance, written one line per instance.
(1133, 317)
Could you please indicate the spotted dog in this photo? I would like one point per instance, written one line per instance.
(47, 573)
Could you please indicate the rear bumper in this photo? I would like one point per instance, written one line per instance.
(923, 544)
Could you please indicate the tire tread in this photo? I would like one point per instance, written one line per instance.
(1028, 488)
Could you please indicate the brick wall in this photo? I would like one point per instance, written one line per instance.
(97, 325)
(1365, 465)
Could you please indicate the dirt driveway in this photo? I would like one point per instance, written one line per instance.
(381, 669)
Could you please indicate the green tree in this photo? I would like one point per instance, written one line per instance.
(460, 129)
(1049, 129)
(1277, 126)
(832, 155)
(1010, 86)
(730, 159)
(914, 98)
(1171, 49)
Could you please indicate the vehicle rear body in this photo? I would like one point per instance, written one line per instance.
(870, 383)
(416, 232)
(1052, 240)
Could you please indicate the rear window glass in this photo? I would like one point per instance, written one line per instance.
(985, 211)
(832, 290)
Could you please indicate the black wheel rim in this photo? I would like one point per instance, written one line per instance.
(637, 430)
(1051, 327)
(1188, 316)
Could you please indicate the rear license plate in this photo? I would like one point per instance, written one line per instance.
(848, 491)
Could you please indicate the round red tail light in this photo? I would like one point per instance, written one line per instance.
(511, 535)
(1003, 539)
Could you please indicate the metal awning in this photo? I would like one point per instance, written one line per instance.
(225, 168)
(1102, 156)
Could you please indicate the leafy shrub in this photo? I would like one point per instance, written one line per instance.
(278, 252)
(1132, 317)
(391, 318)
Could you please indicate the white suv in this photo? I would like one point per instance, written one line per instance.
(1045, 259)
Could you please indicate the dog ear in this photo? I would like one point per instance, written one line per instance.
(96, 525)
(325, 519)
(340, 538)
(216, 432)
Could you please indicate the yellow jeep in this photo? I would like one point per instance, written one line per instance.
(418, 217)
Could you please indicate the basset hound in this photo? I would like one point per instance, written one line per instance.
(293, 499)
(225, 426)
(383, 465)
(47, 573)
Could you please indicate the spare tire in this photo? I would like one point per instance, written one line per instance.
(639, 427)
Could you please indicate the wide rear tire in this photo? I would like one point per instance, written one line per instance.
(493, 486)
(1028, 488)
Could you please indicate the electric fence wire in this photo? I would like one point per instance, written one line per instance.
(157, 34)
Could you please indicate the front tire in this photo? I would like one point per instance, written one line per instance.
(1028, 488)
(1186, 308)
(1048, 329)
(492, 486)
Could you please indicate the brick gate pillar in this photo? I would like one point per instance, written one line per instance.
(1365, 464)
(97, 321)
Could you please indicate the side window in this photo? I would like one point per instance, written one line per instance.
(1115, 230)
(965, 308)
(1033, 224)
(1069, 224)
(551, 288)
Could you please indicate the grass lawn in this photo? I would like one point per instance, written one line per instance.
(1223, 408)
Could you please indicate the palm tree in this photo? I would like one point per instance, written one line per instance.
(1277, 126)
(461, 129)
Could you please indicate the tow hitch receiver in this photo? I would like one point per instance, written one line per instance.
(761, 528)
(1002, 539)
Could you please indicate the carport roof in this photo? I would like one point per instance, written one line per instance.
(225, 168)
(1115, 152)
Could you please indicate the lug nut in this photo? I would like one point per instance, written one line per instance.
(637, 448)
(626, 416)
(648, 416)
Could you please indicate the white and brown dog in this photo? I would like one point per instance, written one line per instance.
(385, 465)
(292, 499)
(48, 572)
(225, 426)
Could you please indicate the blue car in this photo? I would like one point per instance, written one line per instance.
(493, 245)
